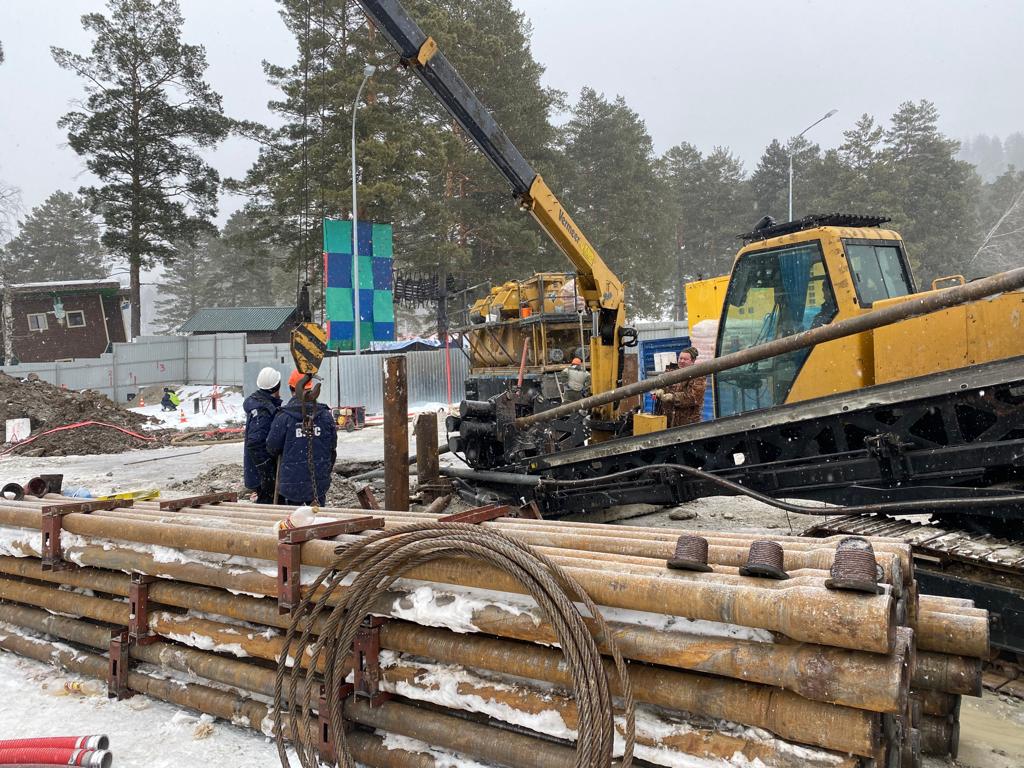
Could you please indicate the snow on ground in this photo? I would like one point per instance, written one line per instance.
(144, 732)
(228, 411)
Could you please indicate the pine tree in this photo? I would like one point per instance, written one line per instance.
(615, 195)
(710, 202)
(416, 168)
(187, 286)
(934, 189)
(246, 269)
(59, 240)
(770, 182)
(146, 116)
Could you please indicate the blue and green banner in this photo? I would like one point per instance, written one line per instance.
(376, 296)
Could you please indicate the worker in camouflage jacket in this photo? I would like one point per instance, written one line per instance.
(683, 403)
(288, 441)
(260, 408)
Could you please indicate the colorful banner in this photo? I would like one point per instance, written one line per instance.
(376, 298)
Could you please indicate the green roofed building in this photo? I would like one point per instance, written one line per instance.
(262, 325)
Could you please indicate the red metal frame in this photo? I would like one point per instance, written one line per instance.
(289, 554)
(138, 610)
(117, 676)
(173, 505)
(53, 523)
(367, 499)
(366, 661)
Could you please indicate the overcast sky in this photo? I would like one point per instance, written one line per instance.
(735, 74)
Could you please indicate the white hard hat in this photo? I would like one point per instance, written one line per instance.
(269, 378)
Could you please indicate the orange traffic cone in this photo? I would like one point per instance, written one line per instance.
(142, 402)
(181, 416)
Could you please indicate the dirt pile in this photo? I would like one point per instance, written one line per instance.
(48, 407)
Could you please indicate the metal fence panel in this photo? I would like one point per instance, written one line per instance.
(227, 360)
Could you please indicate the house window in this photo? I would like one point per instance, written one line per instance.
(76, 318)
(37, 322)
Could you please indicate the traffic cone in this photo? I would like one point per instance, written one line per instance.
(142, 402)
(181, 416)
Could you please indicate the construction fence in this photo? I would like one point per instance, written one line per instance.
(226, 359)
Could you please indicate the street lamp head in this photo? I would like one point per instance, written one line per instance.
(831, 112)
(369, 69)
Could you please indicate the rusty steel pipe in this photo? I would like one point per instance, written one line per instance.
(938, 703)
(261, 680)
(790, 716)
(810, 614)
(954, 634)
(949, 674)
(940, 736)
(849, 678)
(396, 434)
(821, 725)
(652, 554)
(922, 304)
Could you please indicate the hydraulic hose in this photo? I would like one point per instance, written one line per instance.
(885, 508)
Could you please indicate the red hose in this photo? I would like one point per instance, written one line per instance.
(76, 426)
(96, 741)
(53, 756)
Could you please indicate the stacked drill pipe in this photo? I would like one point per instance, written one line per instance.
(812, 666)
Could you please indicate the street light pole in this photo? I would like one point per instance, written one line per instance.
(368, 70)
(824, 117)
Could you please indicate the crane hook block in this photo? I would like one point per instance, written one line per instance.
(308, 346)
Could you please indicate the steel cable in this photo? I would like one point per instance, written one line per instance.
(369, 565)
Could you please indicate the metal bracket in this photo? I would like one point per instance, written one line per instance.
(366, 661)
(173, 505)
(289, 554)
(887, 449)
(53, 523)
(117, 675)
(367, 499)
(490, 512)
(138, 609)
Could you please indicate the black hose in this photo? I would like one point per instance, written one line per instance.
(887, 508)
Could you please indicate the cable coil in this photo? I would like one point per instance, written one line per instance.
(368, 566)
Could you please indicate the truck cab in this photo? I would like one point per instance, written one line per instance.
(796, 276)
(782, 284)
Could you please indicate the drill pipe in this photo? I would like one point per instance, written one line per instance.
(920, 305)
(850, 678)
(171, 656)
(955, 634)
(547, 542)
(940, 736)
(949, 674)
(783, 713)
(829, 618)
(625, 564)
(234, 709)
(816, 728)
(260, 680)
(937, 703)
(366, 748)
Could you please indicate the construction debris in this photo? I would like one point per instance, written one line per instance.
(785, 671)
(65, 422)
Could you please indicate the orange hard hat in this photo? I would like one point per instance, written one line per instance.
(293, 380)
(576, 361)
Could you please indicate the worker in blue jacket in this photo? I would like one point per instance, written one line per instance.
(260, 409)
(287, 440)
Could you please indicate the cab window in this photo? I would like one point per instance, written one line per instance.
(772, 294)
(878, 271)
